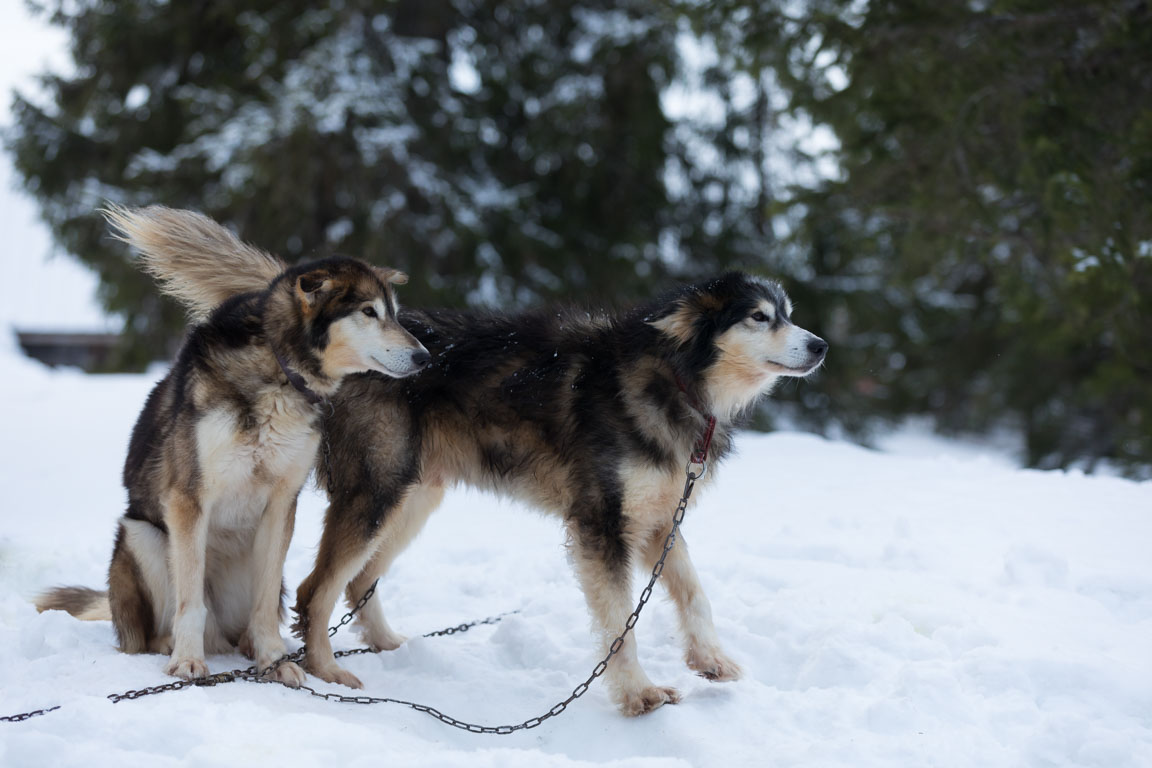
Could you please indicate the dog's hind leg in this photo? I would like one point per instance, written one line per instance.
(397, 531)
(188, 534)
(132, 612)
(702, 646)
(138, 588)
(601, 554)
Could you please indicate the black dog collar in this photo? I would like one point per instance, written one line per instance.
(297, 381)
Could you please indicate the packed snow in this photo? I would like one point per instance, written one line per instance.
(940, 607)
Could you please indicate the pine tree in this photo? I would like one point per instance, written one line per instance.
(979, 248)
(494, 150)
(995, 201)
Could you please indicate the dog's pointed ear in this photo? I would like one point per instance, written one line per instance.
(312, 286)
(389, 275)
(679, 324)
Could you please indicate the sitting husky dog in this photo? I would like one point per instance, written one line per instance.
(590, 417)
(228, 437)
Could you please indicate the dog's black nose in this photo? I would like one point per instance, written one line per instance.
(818, 347)
(420, 358)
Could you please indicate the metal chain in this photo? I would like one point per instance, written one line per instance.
(256, 675)
(252, 674)
(27, 715)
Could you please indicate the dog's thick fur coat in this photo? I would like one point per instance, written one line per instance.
(226, 440)
(591, 417)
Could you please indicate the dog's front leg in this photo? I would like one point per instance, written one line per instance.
(603, 565)
(188, 534)
(343, 553)
(269, 549)
(702, 646)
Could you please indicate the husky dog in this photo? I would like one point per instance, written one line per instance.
(228, 437)
(591, 417)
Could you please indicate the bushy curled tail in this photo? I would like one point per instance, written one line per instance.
(81, 602)
(196, 261)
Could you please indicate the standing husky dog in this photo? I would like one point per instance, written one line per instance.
(589, 417)
(227, 438)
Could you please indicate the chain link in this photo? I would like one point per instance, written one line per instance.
(255, 675)
(28, 715)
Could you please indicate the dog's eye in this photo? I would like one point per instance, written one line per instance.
(369, 311)
(759, 316)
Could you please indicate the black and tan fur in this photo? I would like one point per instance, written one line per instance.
(591, 417)
(228, 437)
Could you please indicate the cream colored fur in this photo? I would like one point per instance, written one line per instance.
(195, 260)
(245, 521)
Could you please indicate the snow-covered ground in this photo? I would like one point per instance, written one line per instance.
(942, 608)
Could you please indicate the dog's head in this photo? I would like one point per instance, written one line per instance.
(735, 338)
(347, 312)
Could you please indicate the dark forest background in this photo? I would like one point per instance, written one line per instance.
(957, 195)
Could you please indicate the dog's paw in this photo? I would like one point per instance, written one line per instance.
(187, 669)
(385, 641)
(288, 673)
(644, 700)
(712, 664)
(337, 675)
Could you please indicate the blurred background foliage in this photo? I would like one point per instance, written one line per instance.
(957, 195)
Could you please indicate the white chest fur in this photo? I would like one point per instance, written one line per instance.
(240, 464)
